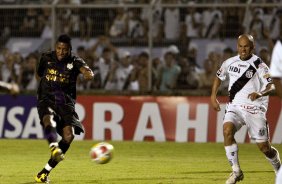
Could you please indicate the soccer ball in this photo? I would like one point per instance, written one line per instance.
(102, 152)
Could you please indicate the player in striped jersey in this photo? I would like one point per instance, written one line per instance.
(249, 87)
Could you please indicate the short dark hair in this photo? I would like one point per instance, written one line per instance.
(64, 38)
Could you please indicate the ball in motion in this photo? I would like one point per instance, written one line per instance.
(102, 152)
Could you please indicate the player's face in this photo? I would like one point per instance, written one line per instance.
(62, 50)
(245, 48)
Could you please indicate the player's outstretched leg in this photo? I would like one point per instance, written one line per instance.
(57, 154)
(58, 151)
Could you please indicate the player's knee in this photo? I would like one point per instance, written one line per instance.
(47, 120)
(68, 138)
(228, 132)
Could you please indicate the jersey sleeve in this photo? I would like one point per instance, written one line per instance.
(264, 74)
(222, 72)
(276, 61)
(79, 62)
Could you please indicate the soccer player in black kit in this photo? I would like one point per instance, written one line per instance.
(56, 95)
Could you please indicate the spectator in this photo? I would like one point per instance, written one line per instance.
(271, 21)
(193, 22)
(257, 26)
(106, 61)
(82, 84)
(27, 78)
(119, 25)
(30, 23)
(140, 73)
(168, 73)
(8, 69)
(121, 76)
(232, 22)
(171, 22)
(156, 64)
(211, 64)
(136, 28)
(44, 23)
(156, 20)
(212, 23)
(187, 78)
(64, 23)
(86, 23)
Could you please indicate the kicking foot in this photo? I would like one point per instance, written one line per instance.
(42, 178)
(234, 177)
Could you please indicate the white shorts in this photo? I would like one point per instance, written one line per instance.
(252, 116)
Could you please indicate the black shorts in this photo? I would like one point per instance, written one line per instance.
(64, 114)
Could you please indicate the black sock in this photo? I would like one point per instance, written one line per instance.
(52, 163)
(64, 146)
(51, 134)
(43, 171)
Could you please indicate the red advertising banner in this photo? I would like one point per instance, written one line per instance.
(163, 118)
(135, 118)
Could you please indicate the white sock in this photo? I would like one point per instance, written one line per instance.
(53, 144)
(275, 161)
(48, 167)
(232, 156)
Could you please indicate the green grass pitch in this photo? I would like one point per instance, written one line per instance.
(133, 163)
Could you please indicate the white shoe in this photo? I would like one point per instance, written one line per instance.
(234, 177)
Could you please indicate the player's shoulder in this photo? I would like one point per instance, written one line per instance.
(232, 59)
(77, 59)
(258, 62)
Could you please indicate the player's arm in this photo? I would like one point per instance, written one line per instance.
(215, 87)
(267, 82)
(9, 87)
(269, 89)
(86, 72)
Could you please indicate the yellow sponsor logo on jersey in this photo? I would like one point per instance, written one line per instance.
(266, 75)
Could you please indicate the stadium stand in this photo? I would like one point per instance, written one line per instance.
(199, 32)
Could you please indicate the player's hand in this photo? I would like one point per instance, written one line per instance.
(254, 95)
(88, 75)
(215, 104)
(14, 89)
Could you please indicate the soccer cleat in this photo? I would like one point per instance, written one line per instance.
(234, 177)
(42, 178)
(57, 154)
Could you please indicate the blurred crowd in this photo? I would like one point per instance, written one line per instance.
(119, 70)
(123, 22)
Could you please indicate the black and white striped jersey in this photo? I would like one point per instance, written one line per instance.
(245, 77)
